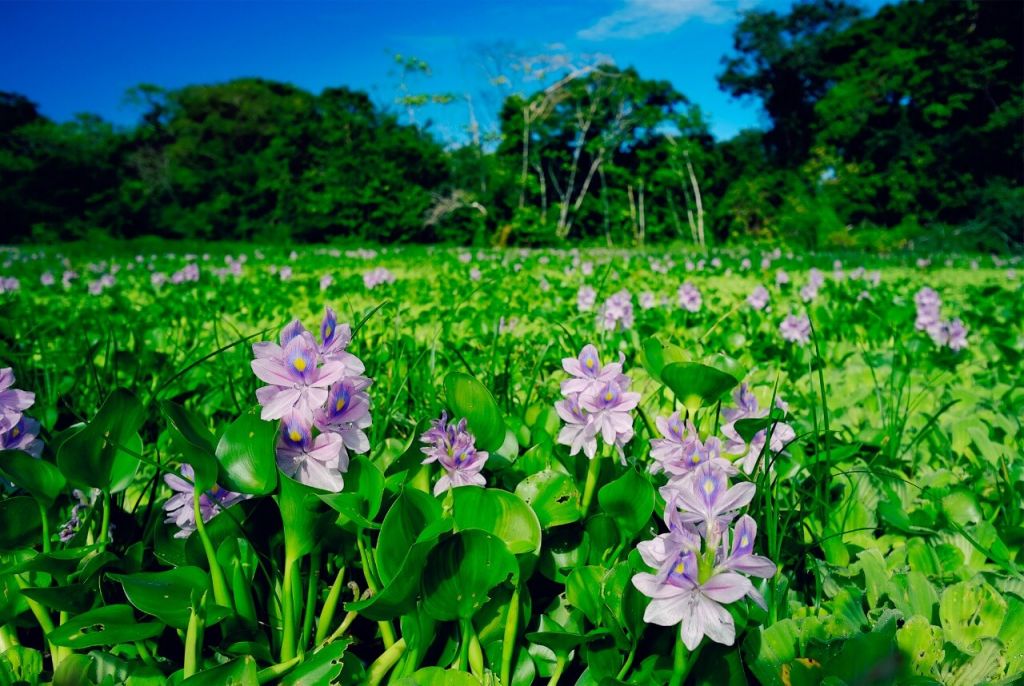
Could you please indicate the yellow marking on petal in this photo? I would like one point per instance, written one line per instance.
(709, 486)
(608, 396)
(744, 542)
(300, 364)
(696, 458)
(590, 363)
(328, 331)
(295, 436)
(681, 567)
(340, 404)
(14, 432)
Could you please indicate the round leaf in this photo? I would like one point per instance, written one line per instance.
(165, 595)
(500, 513)
(246, 455)
(552, 495)
(104, 626)
(467, 397)
(42, 480)
(461, 572)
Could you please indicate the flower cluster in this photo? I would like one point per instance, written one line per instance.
(758, 298)
(454, 448)
(17, 430)
(689, 297)
(796, 329)
(617, 311)
(317, 386)
(377, 277)
(700, 563)
(596, 402)
(951, 333)
(180, 507)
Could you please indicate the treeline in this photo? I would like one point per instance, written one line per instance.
(905, 125)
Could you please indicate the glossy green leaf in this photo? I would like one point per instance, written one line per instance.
(696, 384)
(970, 611)
(104, 626)
(461, 571)
(246, 455)
(553, 496)
(410, 514)
(72, 598)
(361, 498)
(240, 672)
(195, 445)
(500, 513)
(20, 525)
(438, 676)
(165, 595)
(42, 480)
(300, 511)
(468, 398)
(629, 500)
(322, 667)
(99, 454)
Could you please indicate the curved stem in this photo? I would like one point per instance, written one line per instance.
(559, 668)
(387, 632)
(105, 523)
(593, 473)
(311, 592)
(46, 527)
(385, 662)
(194, 640)
(326, 618)
(288, 610)
(508, 646)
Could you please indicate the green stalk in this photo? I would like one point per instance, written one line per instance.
(194, 640)
(277, 671)
(311, 590)
(387, 632)
(385, 662)
(105, 523)
(8, 638)
(678, 664)
(508, 646)
(46, 527)
(288, 610)
(593, 473)
(43, 619)
(560, 662)
(221, 595)
(326, 618)
(463, 658)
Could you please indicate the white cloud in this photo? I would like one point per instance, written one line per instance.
(640, 18)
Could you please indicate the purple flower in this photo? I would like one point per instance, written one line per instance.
(47, 279)
(747, 408)
(741, 557)
(647, 300)
(781, 277)
(585, 298)
(758, 298)
(796, 329)
(325, 282)
(617, 311)
(23, 436)
(13, 401)
(929, 305)
(377, 277)
(453, 447)
(589, 376)
(609, 411)
(297, 383)
(676, 447)
(318, 462)
(951, 334)
(705, 499)
(689, 297)
(179, 506)
(579, 432)
(347, 413)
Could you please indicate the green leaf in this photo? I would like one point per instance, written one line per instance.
(657, 354)
(460, 573)
(20, 525)
(322, 667)
(410, 514)
(72, 598)
(468, 398)
(629, 500)
(696, 384)
(98, 454)
(583, 590)
(194, 443)
(553, 496)
(500, 513)
(746, 428)
(42, 480)
(922, 646)
(246, 455)
(970, 611)
(104, 626)
(240, 672)
(299, 505)
(165, 595)
(364, 490)
(20, 665)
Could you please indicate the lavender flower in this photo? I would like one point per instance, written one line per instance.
(617, 311)
(758, 298)
(609, 412)
(318, 462)
(23, 436)
(297, 383)
(12, 400)
(453, 447)
(377, 277)
(747, 407)
(347, 413)
(689, 297)
(179, 507)
(596, 403)
(796, 329)
(647, 300)
(589, 375)
(579, 433)
(585, 298)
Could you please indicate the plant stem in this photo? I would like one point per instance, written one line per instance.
(220, 587)
(628, 663)
(8, 638)
(385, 662)
(326, 618)
(288, 610)
(46, 527)
(105, 522)
(194, 640)
(559, 668)
(593, 473)
(387, 632)
(508, 646)
(683, 662)
(277, 671)
(311, 592)
(43, 619)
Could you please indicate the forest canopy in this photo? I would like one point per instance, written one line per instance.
(899, 126)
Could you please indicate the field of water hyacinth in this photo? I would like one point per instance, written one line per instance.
(224, 464)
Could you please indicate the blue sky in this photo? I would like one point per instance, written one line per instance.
(72, 57)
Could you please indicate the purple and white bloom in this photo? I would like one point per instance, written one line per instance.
(13, 401)
(741, 557)
(617, 311)
(23, 436)
(747, 407)
(84, 502)
(318, 462)
(781, 277)
(297, 384)
(647, 300)
(610, 413)
(951, 334)
(585, 298)
(453, 447)
(334, 339)
(579, 433)
(347, 413)
(689, 297)
(285, 273)
(475, 274)
(809, 293)
(377, 277)
(325, 282)
(796, 329)
(758, 298)
(47, 279)
(929, 305)
(677, 446)
(706, 500)
(179, 507)
(589, 375)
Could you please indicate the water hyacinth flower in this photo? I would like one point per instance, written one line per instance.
(596, 402)
(23, 436)
(610, 413)
(758, 298)
(689, 297)
(83, 502)
(377, 277)
(928, 304)
(698, 570)
(589, 375)
(47, 279)
(13, 401)
(297, 383)
(454, 448)
(796, 329)
(325, 282)
(179, 507)
(747, 407)
(647, 300)
(319, 462)
(577, 433)
(585, 298)
(617, 311)
(347, 413)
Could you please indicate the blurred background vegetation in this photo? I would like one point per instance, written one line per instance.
(903, 127)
